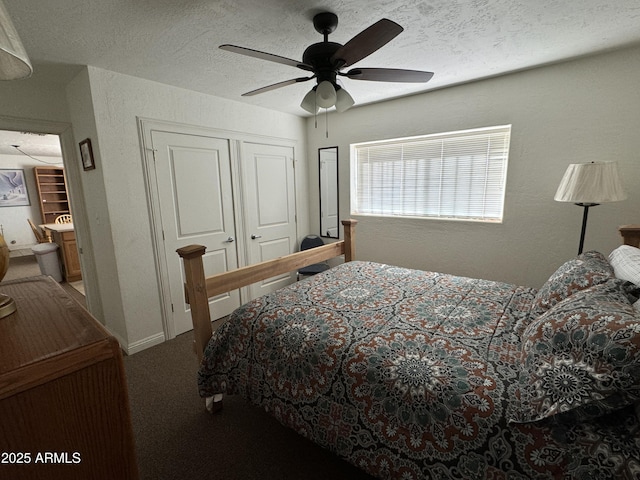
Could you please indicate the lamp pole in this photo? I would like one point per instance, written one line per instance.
(584, 222)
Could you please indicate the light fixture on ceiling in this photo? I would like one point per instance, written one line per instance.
(309, 102)
(14, 62)
(344, 101)
(588, 185)
(327, 95)
(326, 60)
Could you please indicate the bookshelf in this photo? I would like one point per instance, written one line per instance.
(52, 192)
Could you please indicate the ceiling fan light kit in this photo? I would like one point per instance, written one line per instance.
(344, 101)
(326, 94)
(325, 60)
(309, 102)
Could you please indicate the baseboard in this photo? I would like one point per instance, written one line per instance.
(145, 343)
(135, 347)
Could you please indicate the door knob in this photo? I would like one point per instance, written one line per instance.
(230, 240)
(253, 237)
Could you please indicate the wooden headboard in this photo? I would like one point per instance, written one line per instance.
(630, 235)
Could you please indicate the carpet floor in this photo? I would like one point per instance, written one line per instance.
(22, 267)
(177, 438)
(25, 266)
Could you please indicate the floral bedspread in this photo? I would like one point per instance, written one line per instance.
(408, 375)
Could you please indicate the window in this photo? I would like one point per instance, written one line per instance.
(455, 175)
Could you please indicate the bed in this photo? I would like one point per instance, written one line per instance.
(421, 375)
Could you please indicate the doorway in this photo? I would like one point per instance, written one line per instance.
(25, 144)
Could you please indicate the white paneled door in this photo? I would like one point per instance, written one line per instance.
(269, 208)
(194, 187)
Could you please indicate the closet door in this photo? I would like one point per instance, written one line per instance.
(193, 175)
(269, 208)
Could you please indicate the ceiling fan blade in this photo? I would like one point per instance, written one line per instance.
(268, 88)
(266, 56)
(389, 75)
(367, 42)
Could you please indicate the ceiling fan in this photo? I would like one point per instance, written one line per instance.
(325, 61)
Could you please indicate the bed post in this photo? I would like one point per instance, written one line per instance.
(196, 295)
(349, 239)
(630, 235)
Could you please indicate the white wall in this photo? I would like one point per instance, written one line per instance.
(40, 97)
(35, 104)
(91, 216)
(580, 111)
(574, 112)
(17, 232)
(119, 214)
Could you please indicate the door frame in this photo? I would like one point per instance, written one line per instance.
(236, 140)
(71, 163)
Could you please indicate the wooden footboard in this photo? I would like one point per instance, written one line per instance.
(198, 288)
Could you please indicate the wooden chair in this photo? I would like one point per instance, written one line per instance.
(41, 237)
(65, 218)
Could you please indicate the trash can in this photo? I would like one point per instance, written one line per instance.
(47, 256)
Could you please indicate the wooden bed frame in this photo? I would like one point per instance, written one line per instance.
(199, 289)
(630, 235)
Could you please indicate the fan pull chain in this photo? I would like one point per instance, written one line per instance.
(315, 115)
(326, 121)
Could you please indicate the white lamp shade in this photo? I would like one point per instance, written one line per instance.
(325, 94)
(596, 182)
(344, 101)
(309, 102)
(14, 62)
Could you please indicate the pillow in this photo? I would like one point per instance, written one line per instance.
(582, 356)
(625, 261)
(587, 269)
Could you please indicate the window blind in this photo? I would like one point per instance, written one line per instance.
(454, 175)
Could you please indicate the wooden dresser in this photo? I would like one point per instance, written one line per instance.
(64, 407)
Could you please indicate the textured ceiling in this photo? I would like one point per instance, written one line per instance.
(32, 144)
(176, 41)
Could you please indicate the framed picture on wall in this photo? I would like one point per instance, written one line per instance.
(13, 188)
(86, 153)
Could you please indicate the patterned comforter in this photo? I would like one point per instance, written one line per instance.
(408, 375)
